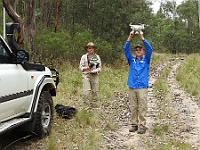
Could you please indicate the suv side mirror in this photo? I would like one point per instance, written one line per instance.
(22, 56)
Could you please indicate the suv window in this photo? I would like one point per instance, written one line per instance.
(4, 55)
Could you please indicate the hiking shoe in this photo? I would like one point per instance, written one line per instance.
(141, 130)
(133, 128)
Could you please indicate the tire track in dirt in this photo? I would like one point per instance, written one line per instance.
(184, 120)
(188, 110)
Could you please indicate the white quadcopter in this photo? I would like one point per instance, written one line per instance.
(137, 28)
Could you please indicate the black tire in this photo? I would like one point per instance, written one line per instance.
(44, 115)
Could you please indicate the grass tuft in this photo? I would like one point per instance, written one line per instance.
(160, 129)
(188, 75)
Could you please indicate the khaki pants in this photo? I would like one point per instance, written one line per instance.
(90, 87)
(138, 106)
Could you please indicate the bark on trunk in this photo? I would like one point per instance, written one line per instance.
(17, 19)
(30, 22)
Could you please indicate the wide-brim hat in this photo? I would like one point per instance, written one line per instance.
(90, 44)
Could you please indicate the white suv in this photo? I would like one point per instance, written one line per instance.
(26, 89)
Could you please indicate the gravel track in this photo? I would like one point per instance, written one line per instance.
(183, 116)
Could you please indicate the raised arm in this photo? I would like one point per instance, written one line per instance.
(148, 47)
(131, 35)
(127, 49)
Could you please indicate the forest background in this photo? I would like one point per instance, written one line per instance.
(56, 31)
(60, 29)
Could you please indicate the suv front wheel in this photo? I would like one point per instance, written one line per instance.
(44, 114)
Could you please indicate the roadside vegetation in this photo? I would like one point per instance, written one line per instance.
(188, 75)
(86, 130)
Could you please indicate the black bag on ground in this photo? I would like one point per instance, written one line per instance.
(66, 112)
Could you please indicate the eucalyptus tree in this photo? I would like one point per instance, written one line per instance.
(25, 18)
(108, 19)
(30, 23)
(188, 14)
(17, 19)
(170, 28)
(179, 31)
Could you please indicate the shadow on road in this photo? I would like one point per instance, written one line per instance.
(13, 139)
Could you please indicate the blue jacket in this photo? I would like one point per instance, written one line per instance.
(138, 69)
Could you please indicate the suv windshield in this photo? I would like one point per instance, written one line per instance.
(4, 55)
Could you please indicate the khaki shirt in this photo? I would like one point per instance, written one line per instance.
(84, 64)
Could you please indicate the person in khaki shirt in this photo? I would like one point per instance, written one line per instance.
(90, 65)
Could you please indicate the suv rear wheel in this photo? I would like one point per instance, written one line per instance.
(44, 115)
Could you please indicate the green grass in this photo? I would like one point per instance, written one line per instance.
(173, 145)
(161, 83)
(188, 75)
(85, 131)
(158, 58)
(160, 129)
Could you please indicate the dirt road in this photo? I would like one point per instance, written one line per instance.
(178, 112)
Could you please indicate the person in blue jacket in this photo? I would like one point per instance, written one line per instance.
(138, 77)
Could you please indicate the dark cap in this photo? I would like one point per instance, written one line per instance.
(138, 46)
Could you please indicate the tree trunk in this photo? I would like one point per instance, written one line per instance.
(30, 22)
(17, 19)
(57, 13)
